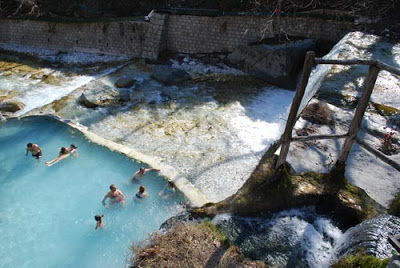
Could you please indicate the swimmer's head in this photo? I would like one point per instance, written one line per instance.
(64, 150)
(142, 188)
(29, 145)
(73, 146)
(97, 217)
(113, 187)
(141, 169)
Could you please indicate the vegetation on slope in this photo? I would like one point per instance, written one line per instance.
(190, 245)
(273, 190)
(360, 259)
(394, 208)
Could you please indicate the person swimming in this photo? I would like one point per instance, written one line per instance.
(64, 153)
(34, 149)
(115, 196)
(99, 221)
(141, 172)
(168, 190)
(142, 192)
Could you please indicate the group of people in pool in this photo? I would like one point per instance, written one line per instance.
(37, 152)
(115, 195)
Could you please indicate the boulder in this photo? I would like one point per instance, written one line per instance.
(124, 95)
(85, 102)
(11, 106)
(276, 64)
(125, 82)
(98, 94)
(170, 76)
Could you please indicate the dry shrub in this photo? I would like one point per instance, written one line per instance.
(317, 113)
(189, 245)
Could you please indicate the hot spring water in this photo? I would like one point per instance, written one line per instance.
(47, 213)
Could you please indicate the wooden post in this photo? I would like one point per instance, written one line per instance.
(358, 116)
(287, 134)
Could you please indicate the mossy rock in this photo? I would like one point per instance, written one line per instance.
(125, 82)
(4, 95)
(270, 190)
(60, 104)
(11, 106)
(360, 259)
(386, 110)
(394, 208)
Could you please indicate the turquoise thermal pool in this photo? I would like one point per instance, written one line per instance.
(47, 213)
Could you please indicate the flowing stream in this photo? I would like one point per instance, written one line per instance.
(302, 238)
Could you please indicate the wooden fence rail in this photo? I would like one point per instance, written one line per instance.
(351, 136)
(319, 137)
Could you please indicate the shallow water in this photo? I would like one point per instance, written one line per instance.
(36, 84)
(215, 145)
(47, 213)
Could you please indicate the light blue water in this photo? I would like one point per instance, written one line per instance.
(47, 213)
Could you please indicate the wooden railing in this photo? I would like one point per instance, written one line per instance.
(351, 135)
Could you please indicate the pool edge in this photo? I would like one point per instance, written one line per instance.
(196, 198)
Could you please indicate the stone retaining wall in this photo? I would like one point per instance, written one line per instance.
(113, 38)
(195, 34)
(178, 33)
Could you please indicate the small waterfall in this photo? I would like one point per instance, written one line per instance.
(303, 238)
(372, 235)
(291, 238)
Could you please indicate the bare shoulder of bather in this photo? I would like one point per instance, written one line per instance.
(141, 172)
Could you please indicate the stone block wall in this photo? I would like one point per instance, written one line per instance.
(315, 28)
(155, 37)
(178, 33)
(199, 34)
(114, 38)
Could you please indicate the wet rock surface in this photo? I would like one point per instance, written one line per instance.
(277, 64)
(170, 76)
(98, 94)
(125, 82)
(11, 106)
